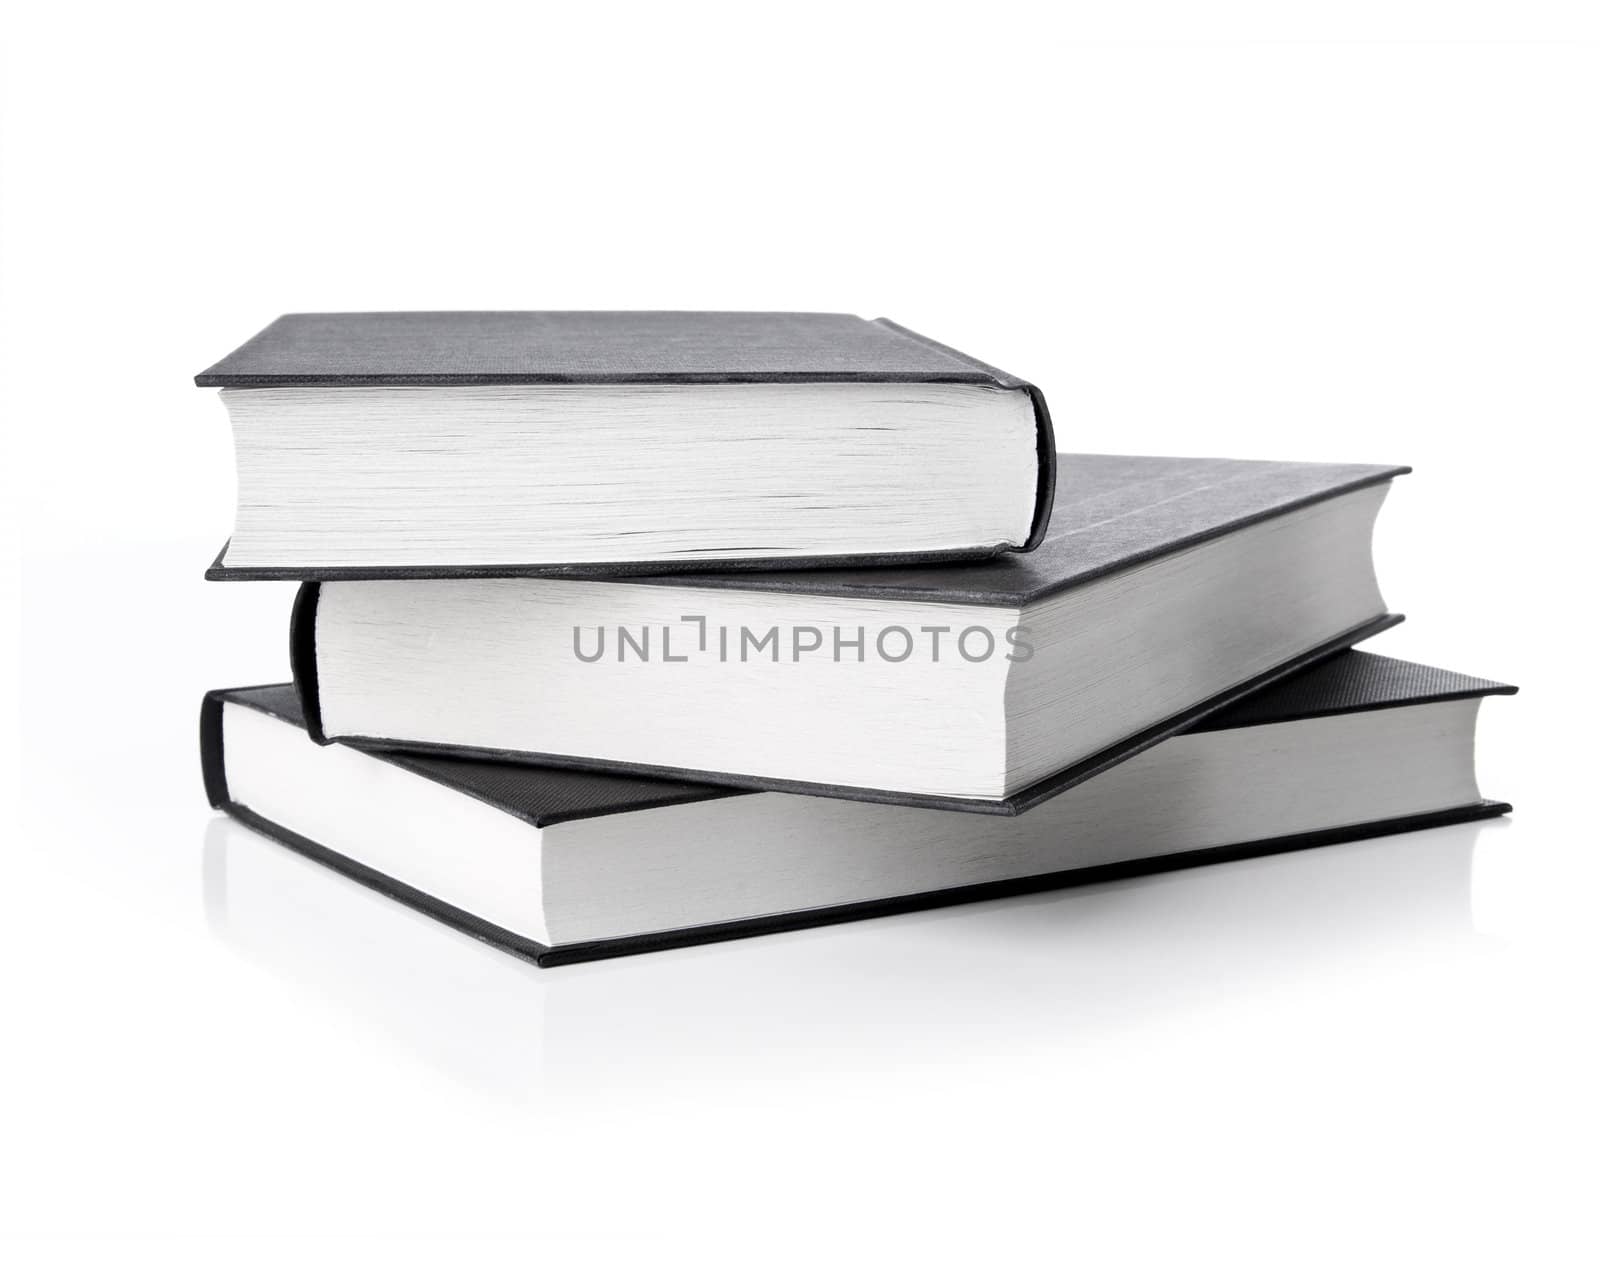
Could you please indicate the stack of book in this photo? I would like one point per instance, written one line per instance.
(629, 630)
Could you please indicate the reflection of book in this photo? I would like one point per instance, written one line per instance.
(1063, 964)
(470, 1010)
(562, 866)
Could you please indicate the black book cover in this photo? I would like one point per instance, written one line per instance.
(479, 348)
(1352, 682)
(1111, 513)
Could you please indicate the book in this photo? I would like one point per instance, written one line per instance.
(560, 866)
(1167, 587)
(441, 444)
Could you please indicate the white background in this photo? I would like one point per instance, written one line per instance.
(1364, 234)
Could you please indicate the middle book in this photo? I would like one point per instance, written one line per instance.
(1166, 588)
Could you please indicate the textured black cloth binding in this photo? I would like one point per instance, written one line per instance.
(1350, 683)
(475, 348)
(466, 348)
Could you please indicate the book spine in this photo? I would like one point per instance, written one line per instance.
(1045, 494)
(303, 657)
(212, 771)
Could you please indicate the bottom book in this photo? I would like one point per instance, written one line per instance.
(563, 866)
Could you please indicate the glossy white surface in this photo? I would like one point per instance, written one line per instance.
(1364, 237)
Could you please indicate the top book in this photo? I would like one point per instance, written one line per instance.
(532, 443)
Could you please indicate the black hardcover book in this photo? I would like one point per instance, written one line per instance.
(561, 866)
(532, 443)
(1167, 588)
